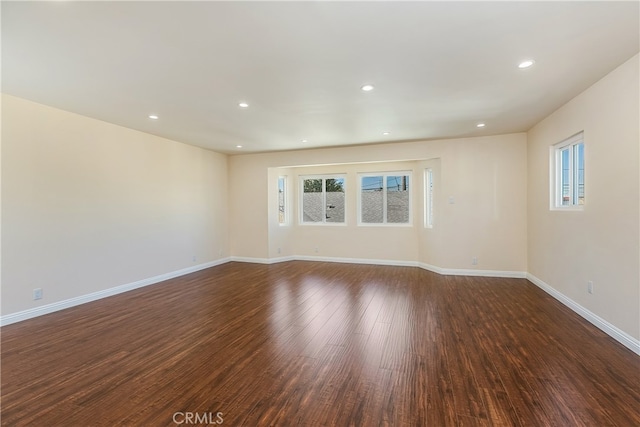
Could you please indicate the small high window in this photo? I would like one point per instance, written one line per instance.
(428, 198)
(282, 201)
(568, 170)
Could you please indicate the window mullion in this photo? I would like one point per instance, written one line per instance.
(572, 200)
(576, 181)
(559, 177)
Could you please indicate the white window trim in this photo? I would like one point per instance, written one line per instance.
(555, 171)
(287, 210)
(324, 223)
(428, 198)
(384, 199)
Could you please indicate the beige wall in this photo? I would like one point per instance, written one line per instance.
(429, 249)
(280, 236)
(87, 205)
(397, 243)
(600, 243)
(485, 176)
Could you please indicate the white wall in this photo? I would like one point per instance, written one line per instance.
(486, 177)
(600, 243)
(88, 206)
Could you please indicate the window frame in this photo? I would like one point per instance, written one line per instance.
(323, 177)
(571, 145)
(385, 175)
(428, 198)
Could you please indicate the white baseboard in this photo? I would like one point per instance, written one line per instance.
(281, 259)
(375, 261)
(399, 263)
(431, 268)
(252, 260)
(470, 272)
(325, 259)
(72, 302)
(615, 333)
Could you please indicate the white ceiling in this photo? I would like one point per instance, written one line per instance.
(438, 68)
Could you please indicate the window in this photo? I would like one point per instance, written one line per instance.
(282, 201)
(568, 167)
(323, 200)
(385, 198)
(428, 198)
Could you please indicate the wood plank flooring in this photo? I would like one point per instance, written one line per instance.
(318, 344)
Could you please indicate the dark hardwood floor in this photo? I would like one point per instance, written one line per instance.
(312, 344)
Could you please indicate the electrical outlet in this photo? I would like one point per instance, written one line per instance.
(195, 258)
(474, 261)
(279, 250)
(590, 286)
(316, 249)
(37, 293)
(220, 252)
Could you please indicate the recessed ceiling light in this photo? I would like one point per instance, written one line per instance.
(238, 146)
(367, 88)
(243, 105)
(526, 64)
(386, 133)
(480, 125)
(153, 117)
(304, 140)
